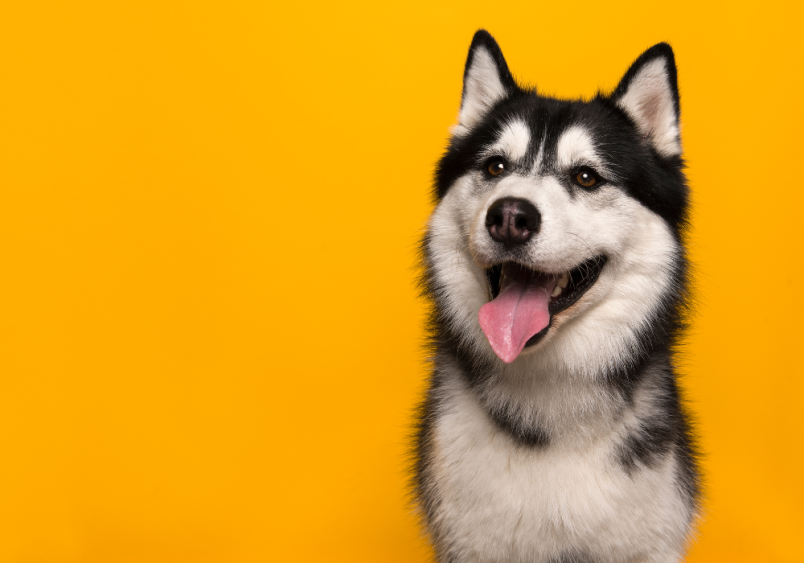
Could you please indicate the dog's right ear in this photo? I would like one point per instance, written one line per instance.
(486, 80)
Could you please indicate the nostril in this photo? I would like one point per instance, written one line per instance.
(495, 215)
(527, 217)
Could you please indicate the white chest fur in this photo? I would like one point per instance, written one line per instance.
(500, 501)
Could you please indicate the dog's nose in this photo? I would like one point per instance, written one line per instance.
(512, 221)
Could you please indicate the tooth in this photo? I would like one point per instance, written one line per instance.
(556, 291)
(563, 280)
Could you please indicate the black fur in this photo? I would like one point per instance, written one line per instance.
(658, 183)
(572, 558)
(660, 186)
(508, 419)
(656, 434)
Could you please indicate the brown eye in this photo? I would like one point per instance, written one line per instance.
(586, 178)
(496, 167)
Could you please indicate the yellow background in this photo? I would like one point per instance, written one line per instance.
(210, 339)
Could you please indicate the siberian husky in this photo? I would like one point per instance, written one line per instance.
(552, 430)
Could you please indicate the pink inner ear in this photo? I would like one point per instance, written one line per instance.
(482, 88)
(650, 103)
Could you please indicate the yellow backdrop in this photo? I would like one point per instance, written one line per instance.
(211, 340)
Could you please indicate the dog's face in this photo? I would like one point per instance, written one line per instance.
(556, 217)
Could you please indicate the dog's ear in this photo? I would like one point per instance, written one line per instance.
(648, 93)
(486, 80)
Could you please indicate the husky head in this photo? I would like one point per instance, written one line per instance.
(557, 231)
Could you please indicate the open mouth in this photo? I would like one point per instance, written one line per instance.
(524, 301)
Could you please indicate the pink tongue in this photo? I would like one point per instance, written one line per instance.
(518, 312)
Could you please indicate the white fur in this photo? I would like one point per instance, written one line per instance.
(513, 141)
(506, 503)
(482, 89)
(649, 102)
(452, 260)
(638, 243)
(575, 147)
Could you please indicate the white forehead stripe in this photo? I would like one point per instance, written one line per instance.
(513, 140)
(537, 165)
(575, 147)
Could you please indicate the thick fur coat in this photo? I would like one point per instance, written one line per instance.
(566, 442)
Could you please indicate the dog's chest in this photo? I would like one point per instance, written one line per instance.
(501, 501)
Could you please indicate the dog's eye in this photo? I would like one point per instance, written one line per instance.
(496, 166)
(586, 178)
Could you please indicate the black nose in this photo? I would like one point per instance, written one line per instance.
(512, 221)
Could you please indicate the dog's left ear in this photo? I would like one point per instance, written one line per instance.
(648, 93)
(486, 80)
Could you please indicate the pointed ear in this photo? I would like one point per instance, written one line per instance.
(486, 80)
(648, 93)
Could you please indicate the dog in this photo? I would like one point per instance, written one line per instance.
(553, 429)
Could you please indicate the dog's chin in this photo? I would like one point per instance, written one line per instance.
(576, 282)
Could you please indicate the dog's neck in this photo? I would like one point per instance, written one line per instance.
(569, 408)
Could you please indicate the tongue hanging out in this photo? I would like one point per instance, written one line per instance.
(518, 312)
